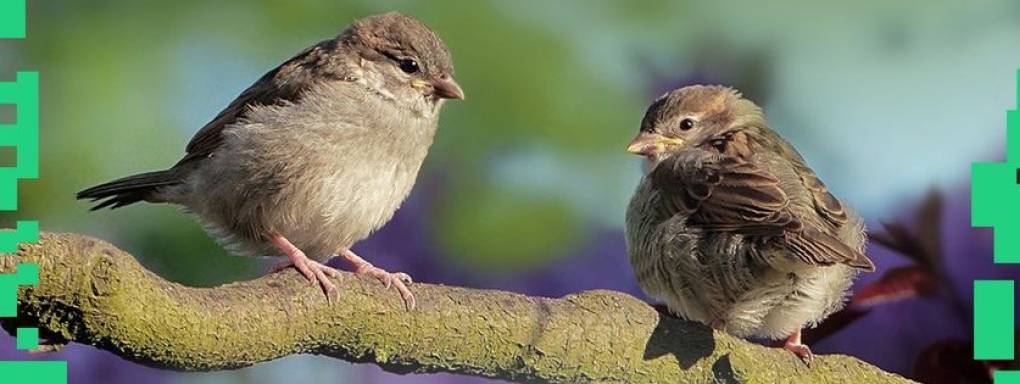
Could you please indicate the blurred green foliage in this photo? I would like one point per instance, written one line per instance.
(530, 162)
(125, 84)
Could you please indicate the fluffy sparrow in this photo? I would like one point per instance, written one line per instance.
(729, 226)
(317, 154)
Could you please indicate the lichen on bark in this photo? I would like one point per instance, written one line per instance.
(93, 293)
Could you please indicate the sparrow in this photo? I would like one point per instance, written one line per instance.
(315, 155)
(730, 227)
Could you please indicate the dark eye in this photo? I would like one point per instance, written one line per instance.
(408, 66)
(686, 124)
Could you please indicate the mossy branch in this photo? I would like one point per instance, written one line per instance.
(93, 293)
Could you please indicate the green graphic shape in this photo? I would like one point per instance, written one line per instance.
(12, 19)
(23, 134)
(35, 372)
(25, 274)
(993, 319)
(1007, 377)
(24, 232)
(995, 189)
(995, 192)
(28, 338)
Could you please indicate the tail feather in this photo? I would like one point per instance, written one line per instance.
(129, 190)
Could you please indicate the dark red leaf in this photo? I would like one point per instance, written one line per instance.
(949, 362)
(929, 229)
(897, 284)
(952, 361)
(895, 236)
(925, 247)
(994, 365)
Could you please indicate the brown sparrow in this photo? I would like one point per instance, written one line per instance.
(729, 226)
(317, 154)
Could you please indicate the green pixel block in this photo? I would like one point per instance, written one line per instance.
(28, 338)
(12, 19)
(993, 319)
(34, 372)
(26, 274)
(24, 232)
(995, 193)
(1007, 377)
(23, 135)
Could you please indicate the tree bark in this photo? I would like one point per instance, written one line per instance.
(92, 293)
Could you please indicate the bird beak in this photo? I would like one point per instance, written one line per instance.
(651, 144)
(446, 88)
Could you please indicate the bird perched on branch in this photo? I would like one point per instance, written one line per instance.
(317, 154)
(730, 227)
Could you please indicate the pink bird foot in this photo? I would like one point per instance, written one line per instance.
(802, 351)
(398, 280)
(311, 269)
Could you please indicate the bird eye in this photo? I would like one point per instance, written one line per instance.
(408, 66)
(686, 124)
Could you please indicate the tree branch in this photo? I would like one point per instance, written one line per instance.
(92, 293)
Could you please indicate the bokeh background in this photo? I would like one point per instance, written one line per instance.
(526, 186)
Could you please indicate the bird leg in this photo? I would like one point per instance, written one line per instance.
(396, 280)
(311, 269)
(802, 351)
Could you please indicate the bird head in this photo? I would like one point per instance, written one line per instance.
(696, 116)
(407, 54)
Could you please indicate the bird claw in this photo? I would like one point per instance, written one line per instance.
(398, 280)
(47, 347)
(800, 350)
(312, 270)
(315, 271)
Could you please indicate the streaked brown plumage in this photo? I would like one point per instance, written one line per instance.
(315, 155)
(730, 227)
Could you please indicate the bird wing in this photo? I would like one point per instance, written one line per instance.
(818, 247)
(831, 210)
(825, 203)
(724, 193)
(284, 83)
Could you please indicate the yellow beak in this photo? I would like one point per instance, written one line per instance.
(652, 144)
(419, 84)
(445, 88)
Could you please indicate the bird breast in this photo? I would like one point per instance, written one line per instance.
(720, 278)
(322, 172)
